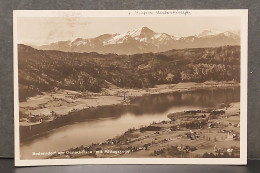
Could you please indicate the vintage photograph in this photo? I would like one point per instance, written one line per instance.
(126, 85)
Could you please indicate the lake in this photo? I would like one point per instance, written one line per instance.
(96, 125)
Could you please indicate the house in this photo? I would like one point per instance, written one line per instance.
(229, 136)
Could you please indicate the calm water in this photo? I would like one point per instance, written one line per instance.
(86, 127)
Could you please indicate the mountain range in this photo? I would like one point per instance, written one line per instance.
(143, 40)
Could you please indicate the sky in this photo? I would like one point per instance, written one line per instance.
(45, 30)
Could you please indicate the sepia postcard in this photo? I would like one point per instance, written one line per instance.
(130, 87)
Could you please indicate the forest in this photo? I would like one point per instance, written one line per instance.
(47, 70)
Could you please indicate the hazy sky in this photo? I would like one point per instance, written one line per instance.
(42, 30)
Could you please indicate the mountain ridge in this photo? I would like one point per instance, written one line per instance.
(46, 70)
(143, 40)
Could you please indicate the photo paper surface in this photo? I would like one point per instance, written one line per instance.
(130, 87)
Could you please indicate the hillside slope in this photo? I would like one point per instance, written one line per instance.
(46, 70)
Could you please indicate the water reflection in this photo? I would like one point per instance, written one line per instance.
(98, 124)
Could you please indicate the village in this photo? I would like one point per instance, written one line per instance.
(208, 133)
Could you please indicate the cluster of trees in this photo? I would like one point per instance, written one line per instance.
(218, 155)
(171, 151)
(195, 124)
(41, 71)
(150, 128)
(174, 151)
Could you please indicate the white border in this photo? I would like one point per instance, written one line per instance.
(243, 13)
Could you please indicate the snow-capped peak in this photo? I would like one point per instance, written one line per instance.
(229, 34)
(206, 33)
(140, 31)
(143, 34)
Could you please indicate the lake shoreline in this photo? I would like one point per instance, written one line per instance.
(49, 106)
(197, 133)
(63, 120)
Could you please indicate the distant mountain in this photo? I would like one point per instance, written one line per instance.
(46, 70)
(144, 40)
(206, 33)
